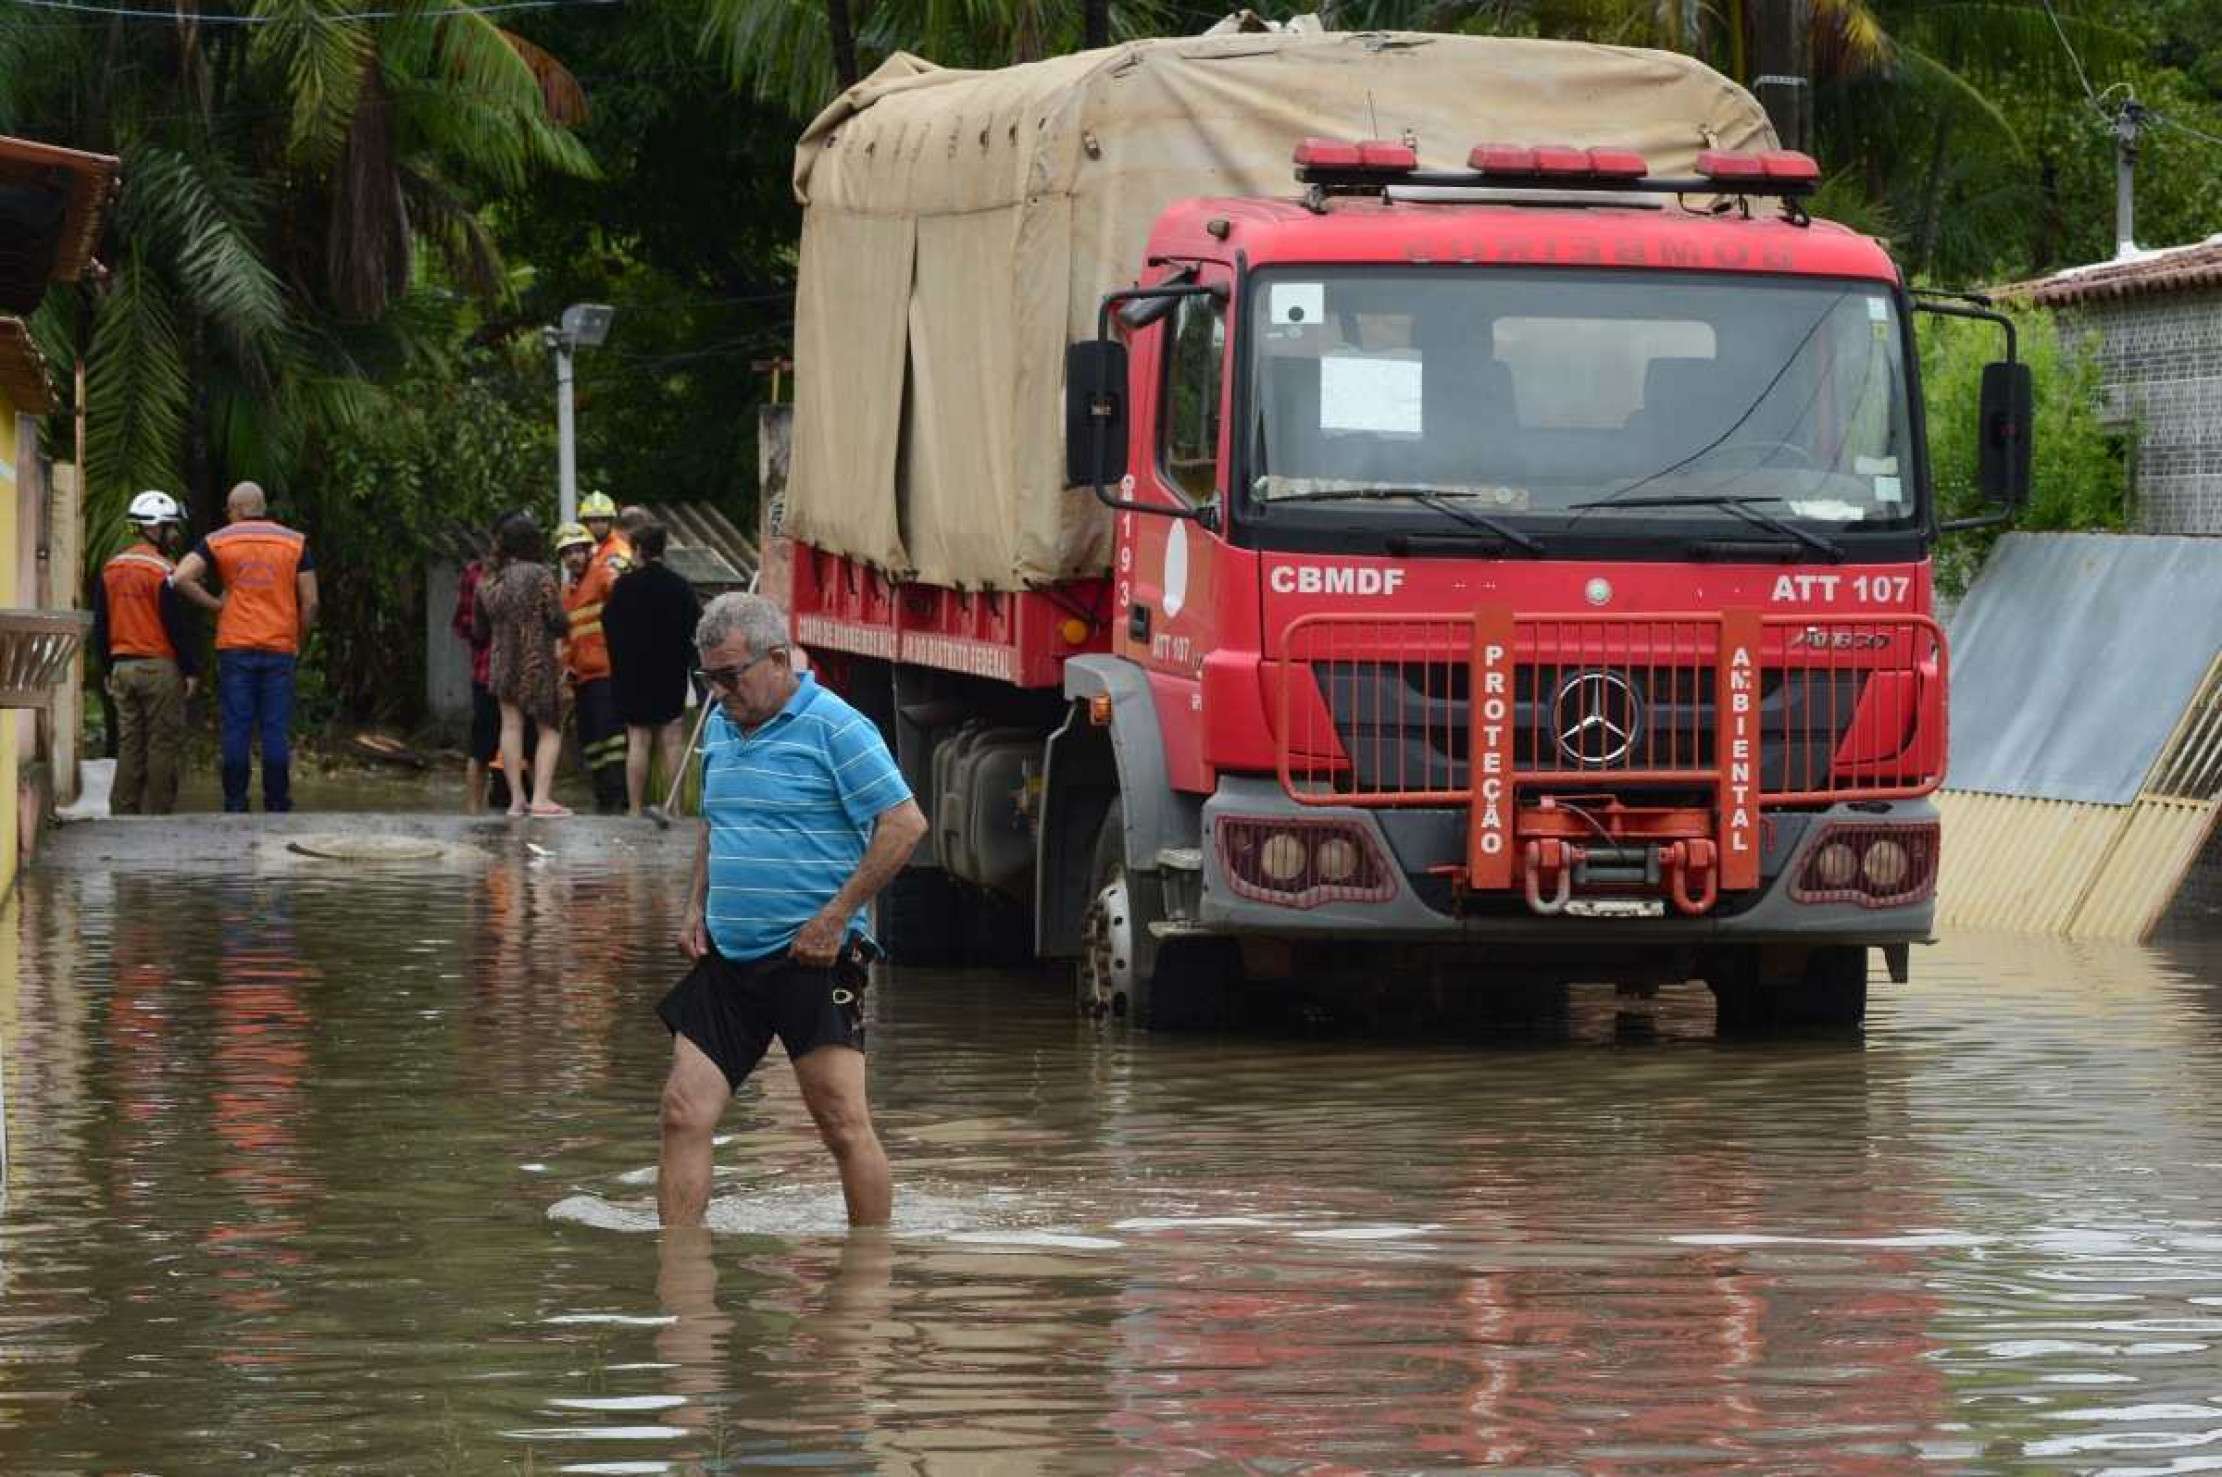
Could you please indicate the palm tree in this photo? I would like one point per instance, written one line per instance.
(778, 49)
(284, 169)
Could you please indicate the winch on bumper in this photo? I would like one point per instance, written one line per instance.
(1854, 872)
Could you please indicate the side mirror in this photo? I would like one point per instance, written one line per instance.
(2002, 458)
(1095, 413)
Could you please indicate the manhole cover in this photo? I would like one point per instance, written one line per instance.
(367, 848)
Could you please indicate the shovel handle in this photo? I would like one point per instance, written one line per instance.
(671, 796)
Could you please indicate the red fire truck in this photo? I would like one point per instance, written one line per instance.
(1519, 574)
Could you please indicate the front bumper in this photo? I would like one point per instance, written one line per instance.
(1422, 909)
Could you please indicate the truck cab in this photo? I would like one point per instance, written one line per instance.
(1522, 572)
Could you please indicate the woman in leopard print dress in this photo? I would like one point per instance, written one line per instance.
(521, 607)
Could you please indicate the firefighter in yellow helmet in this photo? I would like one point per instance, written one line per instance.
(587, 578)
(598, 513)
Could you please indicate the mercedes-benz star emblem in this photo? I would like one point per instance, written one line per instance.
(1597, 717)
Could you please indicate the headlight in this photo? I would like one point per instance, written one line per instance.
(1282, 857)
(1336, 859)
(1834, 865)
(1885, 866)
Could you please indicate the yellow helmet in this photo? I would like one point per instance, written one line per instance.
(597, 505)
(572, 535)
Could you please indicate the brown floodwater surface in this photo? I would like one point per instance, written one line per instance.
(350, 1169)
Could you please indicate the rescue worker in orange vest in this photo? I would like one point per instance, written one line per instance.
(588, 575)
(144, 637)
(612, 539)
(262, 618)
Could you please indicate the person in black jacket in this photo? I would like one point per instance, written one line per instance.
(650, 620)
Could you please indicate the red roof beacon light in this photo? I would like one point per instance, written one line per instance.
(1561, 161)
(1501, 159)
(1369, 156)
(1617, 164)
(1555, 161)
(1719, 164)
(1789, 164)
(1778, 166)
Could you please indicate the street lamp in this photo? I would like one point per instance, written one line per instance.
(583, 326)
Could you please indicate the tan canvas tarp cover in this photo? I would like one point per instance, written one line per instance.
(961, 227)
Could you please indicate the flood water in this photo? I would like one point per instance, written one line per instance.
(350, 1170)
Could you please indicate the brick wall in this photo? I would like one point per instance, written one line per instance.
(2162, 361)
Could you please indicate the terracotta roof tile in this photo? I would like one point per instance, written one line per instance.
(2171, 269)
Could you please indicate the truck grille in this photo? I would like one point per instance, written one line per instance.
(1403, 725)
(1384, 710)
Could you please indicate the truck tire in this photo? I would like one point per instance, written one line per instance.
(1824, 989)
(1193, 981)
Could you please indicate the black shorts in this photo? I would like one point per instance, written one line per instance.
(485, 724)
(732, 1011)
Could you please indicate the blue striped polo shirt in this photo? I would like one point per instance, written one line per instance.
(790, 808)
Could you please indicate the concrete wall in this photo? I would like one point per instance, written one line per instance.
(447, 661)
(65, 576)
(12, 444)
(2162, 361)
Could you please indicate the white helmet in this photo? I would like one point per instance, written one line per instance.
(151, 507)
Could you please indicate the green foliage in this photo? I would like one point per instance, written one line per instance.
(451, 447)
(690, 232)
(2078, 476)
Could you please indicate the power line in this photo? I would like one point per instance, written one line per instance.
(2167, 122)
(2073, 60)
(173, 17)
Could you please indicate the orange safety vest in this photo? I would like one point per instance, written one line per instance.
(258, 561)
(588, 653)
(132, 582)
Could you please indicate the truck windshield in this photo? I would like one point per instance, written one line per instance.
(1521, 391)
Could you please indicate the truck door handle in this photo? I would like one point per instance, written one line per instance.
(1138, 622)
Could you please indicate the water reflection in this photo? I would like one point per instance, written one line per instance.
(350, 1171)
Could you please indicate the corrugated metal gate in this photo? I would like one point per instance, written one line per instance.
(2084, 661)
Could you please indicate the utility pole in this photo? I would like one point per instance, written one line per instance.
(583, 326)
(2128, 119)
(567, 462)
(1782, 66)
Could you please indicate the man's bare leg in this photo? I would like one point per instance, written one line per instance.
(832, 1079)
(671, 747)
(694, 1098)
(474, 788)
(638, 752)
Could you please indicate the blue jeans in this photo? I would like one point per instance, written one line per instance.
(254, 694)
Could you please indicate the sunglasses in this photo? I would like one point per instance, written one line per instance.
(728, 679)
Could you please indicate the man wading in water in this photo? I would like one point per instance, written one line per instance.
(807, 817)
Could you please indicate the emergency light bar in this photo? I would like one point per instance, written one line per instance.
(1372, 156)
(1330, 166)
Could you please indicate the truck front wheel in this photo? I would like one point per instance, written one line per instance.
(1181, 984)
(1765, 989)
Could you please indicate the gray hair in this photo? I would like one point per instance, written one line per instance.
(755, 618)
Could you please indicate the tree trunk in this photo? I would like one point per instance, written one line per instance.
(2046, 248)
(843, 32)
(1783, 66)
(1095, 23)
(1932, 197)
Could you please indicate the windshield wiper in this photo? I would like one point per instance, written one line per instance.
(1740, 506)
(1424, 498)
